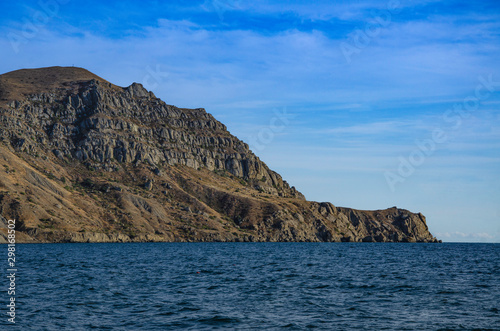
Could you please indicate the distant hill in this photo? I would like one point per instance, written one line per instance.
(83, 160)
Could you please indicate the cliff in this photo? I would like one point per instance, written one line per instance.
(83, 160)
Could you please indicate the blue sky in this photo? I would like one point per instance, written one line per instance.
(367, 104)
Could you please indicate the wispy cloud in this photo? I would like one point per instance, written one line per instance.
(374, 128)
(461, 236)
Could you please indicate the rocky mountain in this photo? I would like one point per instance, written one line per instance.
(83, 160)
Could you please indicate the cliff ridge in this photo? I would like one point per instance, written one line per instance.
(83, 160)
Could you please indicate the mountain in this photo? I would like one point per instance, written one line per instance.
(83, 160)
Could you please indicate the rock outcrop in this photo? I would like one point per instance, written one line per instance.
(83, 160)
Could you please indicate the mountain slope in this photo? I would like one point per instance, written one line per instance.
(85, 160)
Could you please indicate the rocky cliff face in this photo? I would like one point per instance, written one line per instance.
(85, 160)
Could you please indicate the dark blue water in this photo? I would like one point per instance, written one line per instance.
(256, 286)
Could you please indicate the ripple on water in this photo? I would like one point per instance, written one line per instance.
(259, 286)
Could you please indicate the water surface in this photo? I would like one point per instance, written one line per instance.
(330, 286)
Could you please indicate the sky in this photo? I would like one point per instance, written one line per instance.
(365, 104)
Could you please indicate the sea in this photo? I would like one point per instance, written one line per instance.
(254, 286)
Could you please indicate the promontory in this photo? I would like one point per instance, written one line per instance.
(84, 160)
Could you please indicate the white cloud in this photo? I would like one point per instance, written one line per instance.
(461, 236)
(374, 128)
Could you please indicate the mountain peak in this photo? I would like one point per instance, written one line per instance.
(16, 84)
